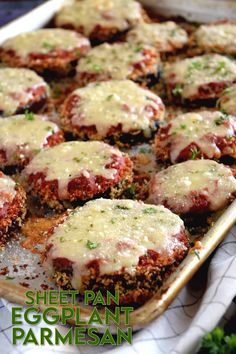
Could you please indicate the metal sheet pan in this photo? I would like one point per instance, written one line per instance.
(11, 289)
(194, 10)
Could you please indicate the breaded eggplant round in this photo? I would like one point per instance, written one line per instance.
(217, 37)
(201, 78)
(55, 50)
(121, 245)
(21, 89)
(119, 111)
(119, 61)
(191, 187)
(165, 36)
(12, 206)
(196, 135)
(23, 136)
(100, 20)
(77, 171)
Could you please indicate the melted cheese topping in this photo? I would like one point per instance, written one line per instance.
(44, 41)
(116, 60)
(110, 103)
(120, 14)
(199, 128)
(219, 37)
(177, 183)
(189, 74)
(7, 190)
(14, 84)
(115, 232)
(69, 160)
(164, 36)
(28, 136)
(227, 101)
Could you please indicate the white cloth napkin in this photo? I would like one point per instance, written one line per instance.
(198, 309)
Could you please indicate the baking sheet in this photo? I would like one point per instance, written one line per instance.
(194, 10)
(32, 274)
(191, 10)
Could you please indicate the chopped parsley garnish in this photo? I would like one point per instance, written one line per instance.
(194, 153)
(9, 278)
(228, 89)
(183, 126)
(173, 33)
(29, 115)
(109, 97)
(76, 159)
(144, 150)
(97, 67)
(49, 129)
(220, 120)
(122, 207)
(150, 211)
(48, 45)
(195, 65)
(177, 90)
(62, 239)
(92, 245)
(221, 65)
(138, 49)
(88, 60)
(131, 191)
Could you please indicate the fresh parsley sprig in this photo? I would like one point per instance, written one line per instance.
(216, 342)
